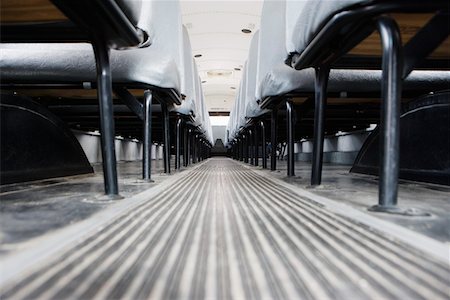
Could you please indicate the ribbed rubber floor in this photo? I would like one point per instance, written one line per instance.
(223, 231)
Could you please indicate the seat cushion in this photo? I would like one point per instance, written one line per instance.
(304, 18)
(157, 65)
(188, 74)
(198, 92)
(240, 116)
(283, 79)
(237, 116)
(74, 63)
(252, 109)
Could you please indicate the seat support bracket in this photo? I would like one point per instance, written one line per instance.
(321, 82)
(290, 137)
(274, 139)
(178, 154)
(147, 145)
(264, 148)
(390, 115)
(104, 93)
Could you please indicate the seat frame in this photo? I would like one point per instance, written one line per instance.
(339, 34)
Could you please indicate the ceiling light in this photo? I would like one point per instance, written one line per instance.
(197, 55)
(219, 72)
(246, 30)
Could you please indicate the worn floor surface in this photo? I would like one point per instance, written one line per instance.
(223, 230)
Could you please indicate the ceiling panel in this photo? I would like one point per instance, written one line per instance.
(215, 31)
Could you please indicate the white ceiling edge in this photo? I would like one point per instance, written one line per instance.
(214, 27)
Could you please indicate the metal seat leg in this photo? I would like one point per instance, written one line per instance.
(255, 145)
(194, 148)
(241, 148)
(321, 81)
(189, 145)
(147, 143)
(245, 137)
(178, 146)
(390, 120)
(390, 116)
(250, 146)
(274, 139)
(290, 138)
(104, 93)
(166, 129)
(185, 146)
(264, 147)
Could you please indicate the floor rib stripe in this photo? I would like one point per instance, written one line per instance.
(224, 231)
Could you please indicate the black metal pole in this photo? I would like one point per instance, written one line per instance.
(241, 148)
(166, 128)
(290, 138)
(199, 147)
(245, 137)
(238, 149)
(178, 141)
(104, 93)
(390, 114)
(189, 145)
(202, 152)
(255, 145)
(199, 150)
(250, 146)
(205, 156)
(264, 148)
(194, 148)
(185, 145)
(321, 82)
(147, 143)
(273, 139)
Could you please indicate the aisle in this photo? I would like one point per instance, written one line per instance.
(224, 231)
